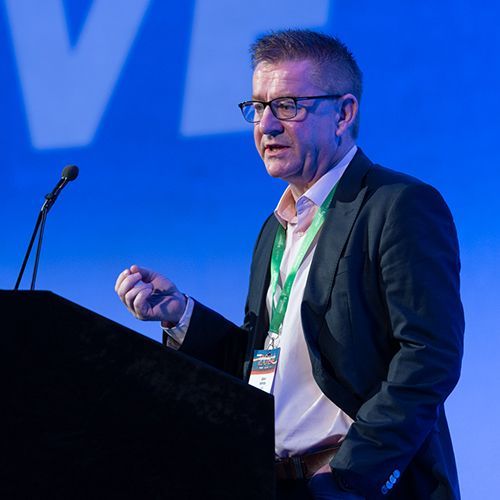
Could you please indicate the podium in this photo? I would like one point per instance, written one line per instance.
(91, 409)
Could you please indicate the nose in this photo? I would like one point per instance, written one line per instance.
(269, 124)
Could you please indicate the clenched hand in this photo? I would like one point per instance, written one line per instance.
(149, 296)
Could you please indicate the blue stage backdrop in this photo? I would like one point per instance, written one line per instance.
(142, 95)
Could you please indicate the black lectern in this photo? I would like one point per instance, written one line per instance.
(91, 409)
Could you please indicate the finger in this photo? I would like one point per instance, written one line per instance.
(147, 274)
(141, 305)
(130, 296)
(159, 282)
(127, 284)
(120, 278)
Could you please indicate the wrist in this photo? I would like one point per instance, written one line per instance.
(174, 321)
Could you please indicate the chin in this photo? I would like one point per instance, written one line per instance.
(275, 173)
(279, 171)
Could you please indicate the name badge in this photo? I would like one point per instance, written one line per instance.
(264, 365)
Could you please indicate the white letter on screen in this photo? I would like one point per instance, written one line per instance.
(66, 89)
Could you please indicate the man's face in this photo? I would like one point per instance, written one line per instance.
(301, 150)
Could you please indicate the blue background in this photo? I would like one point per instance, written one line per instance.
(169, 176)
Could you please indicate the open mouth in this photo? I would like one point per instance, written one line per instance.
(275, 147)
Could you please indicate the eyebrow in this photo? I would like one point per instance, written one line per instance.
(255, 98)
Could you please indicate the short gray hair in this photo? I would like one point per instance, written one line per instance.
(337, 68)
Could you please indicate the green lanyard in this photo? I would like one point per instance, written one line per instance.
(278, 311)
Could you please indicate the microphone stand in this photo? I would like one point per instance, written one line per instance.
(40, 224)
(43, 218)
(28, 251)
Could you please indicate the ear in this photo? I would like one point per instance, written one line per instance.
(347, 114)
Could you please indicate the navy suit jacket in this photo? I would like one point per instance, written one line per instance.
(383, 322)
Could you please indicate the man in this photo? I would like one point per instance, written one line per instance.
(355, 279)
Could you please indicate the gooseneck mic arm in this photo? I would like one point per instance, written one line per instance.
(69, 173)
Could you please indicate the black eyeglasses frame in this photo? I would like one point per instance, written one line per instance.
(244, 104)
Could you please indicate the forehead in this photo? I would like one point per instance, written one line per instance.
(285, 78)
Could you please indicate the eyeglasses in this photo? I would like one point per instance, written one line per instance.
(283, 108)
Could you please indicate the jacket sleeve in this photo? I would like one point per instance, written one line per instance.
(215, 340)
(419, 282)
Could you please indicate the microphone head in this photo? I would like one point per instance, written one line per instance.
(70, 172)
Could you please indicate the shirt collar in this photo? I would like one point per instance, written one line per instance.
(286, 210)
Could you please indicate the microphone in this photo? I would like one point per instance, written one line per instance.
(69, 173)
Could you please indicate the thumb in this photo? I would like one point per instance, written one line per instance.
(147, 275)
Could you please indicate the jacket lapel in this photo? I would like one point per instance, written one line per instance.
(332, 240)
(259, 281)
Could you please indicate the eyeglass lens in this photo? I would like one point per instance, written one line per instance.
(282, 108)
